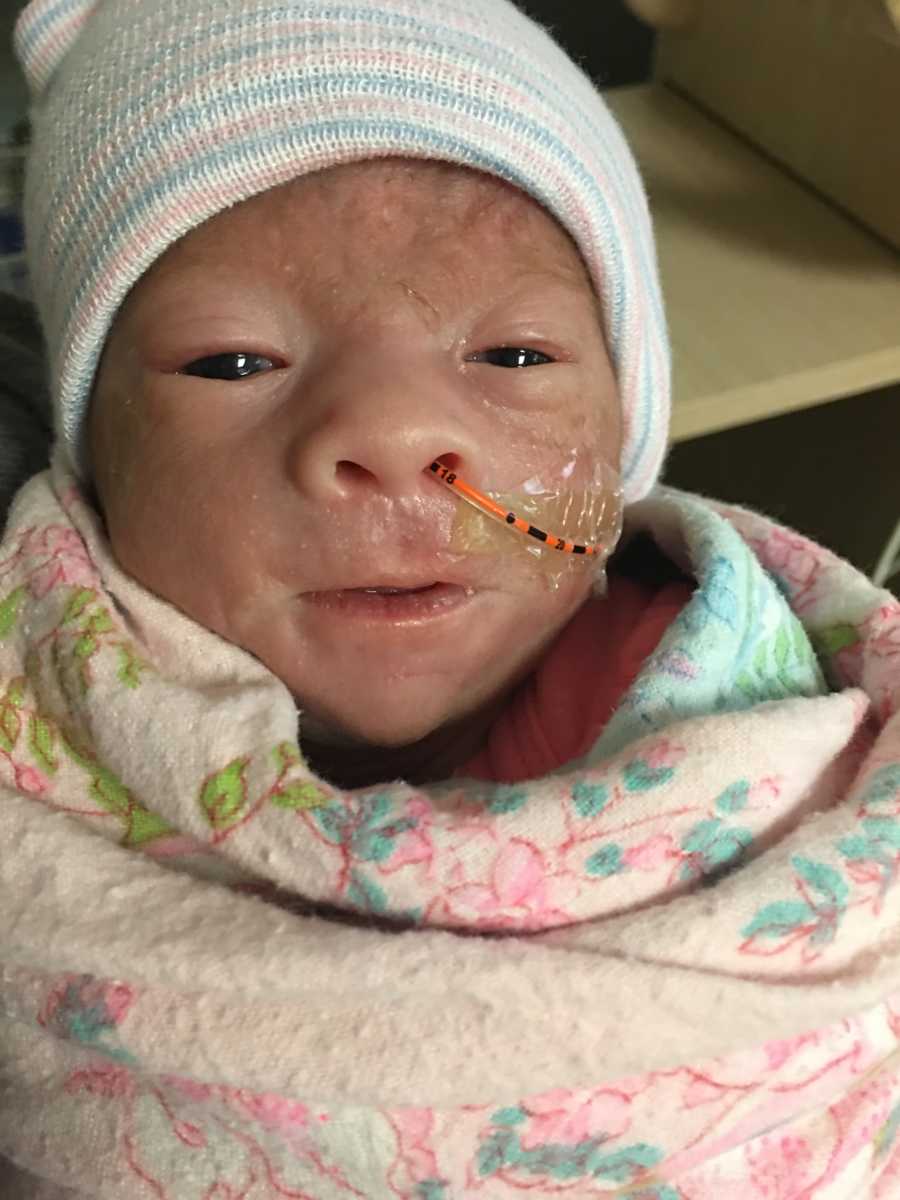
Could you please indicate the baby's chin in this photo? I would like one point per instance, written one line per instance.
(376, 728)
(413, 747)
(360, 734)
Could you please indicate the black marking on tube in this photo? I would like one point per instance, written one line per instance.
(579, 549)
(511, 518)
(537, 533)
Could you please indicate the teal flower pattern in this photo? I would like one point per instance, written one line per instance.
(89, 1011)
(712, 848)
(502, 1150)
(590, 799)
(814, 918)
(608, 860)
(364, 825)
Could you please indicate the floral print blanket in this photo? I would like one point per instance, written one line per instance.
(669, 971)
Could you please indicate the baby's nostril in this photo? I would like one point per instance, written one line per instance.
(452, 461)
(353, 475)
(347, 471)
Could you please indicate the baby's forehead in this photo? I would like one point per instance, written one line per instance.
(377, 193)
(353, 214)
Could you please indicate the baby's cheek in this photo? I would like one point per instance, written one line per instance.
(582, 432)
(117, 486)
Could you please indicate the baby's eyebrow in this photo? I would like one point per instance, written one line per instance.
(543, 290)
(563, 274)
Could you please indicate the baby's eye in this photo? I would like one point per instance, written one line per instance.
(512, 356)
(228, 367)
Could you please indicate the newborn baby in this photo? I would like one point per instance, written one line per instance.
(275, 388)
(354, 843)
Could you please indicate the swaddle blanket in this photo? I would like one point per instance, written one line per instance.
(667, 971)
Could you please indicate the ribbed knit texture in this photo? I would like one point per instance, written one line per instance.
(151, 116)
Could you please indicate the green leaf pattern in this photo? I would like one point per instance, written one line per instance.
(42, 743)
(783, 664)
(223, 796)
(87, 628)
(299, 796)
(10, 607)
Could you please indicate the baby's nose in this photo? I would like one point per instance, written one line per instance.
(382, 434)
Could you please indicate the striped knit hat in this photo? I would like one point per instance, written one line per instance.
(150, 116)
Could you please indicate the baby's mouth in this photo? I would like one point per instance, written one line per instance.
(395, 591)
(399, 605)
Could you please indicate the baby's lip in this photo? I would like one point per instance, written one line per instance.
(392, 590)
(434, 587)
(399, 582)
(386, 607)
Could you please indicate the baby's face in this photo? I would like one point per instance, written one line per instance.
(269, 401)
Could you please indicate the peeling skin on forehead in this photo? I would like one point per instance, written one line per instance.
(378, 197)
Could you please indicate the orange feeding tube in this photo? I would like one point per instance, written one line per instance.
(486, 505)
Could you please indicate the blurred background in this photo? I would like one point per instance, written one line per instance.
(13, 104)
(779, 256)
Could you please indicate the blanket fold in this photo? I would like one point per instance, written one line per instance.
(647, 974)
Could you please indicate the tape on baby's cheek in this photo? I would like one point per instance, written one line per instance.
(588, 516)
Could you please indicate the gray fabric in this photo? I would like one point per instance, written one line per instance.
(19, 1185)
(26, 424)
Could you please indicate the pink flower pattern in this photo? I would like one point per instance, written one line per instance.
(554, 1118)
(30, 780)
(56, 556)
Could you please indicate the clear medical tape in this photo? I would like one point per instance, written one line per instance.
(563, 530)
